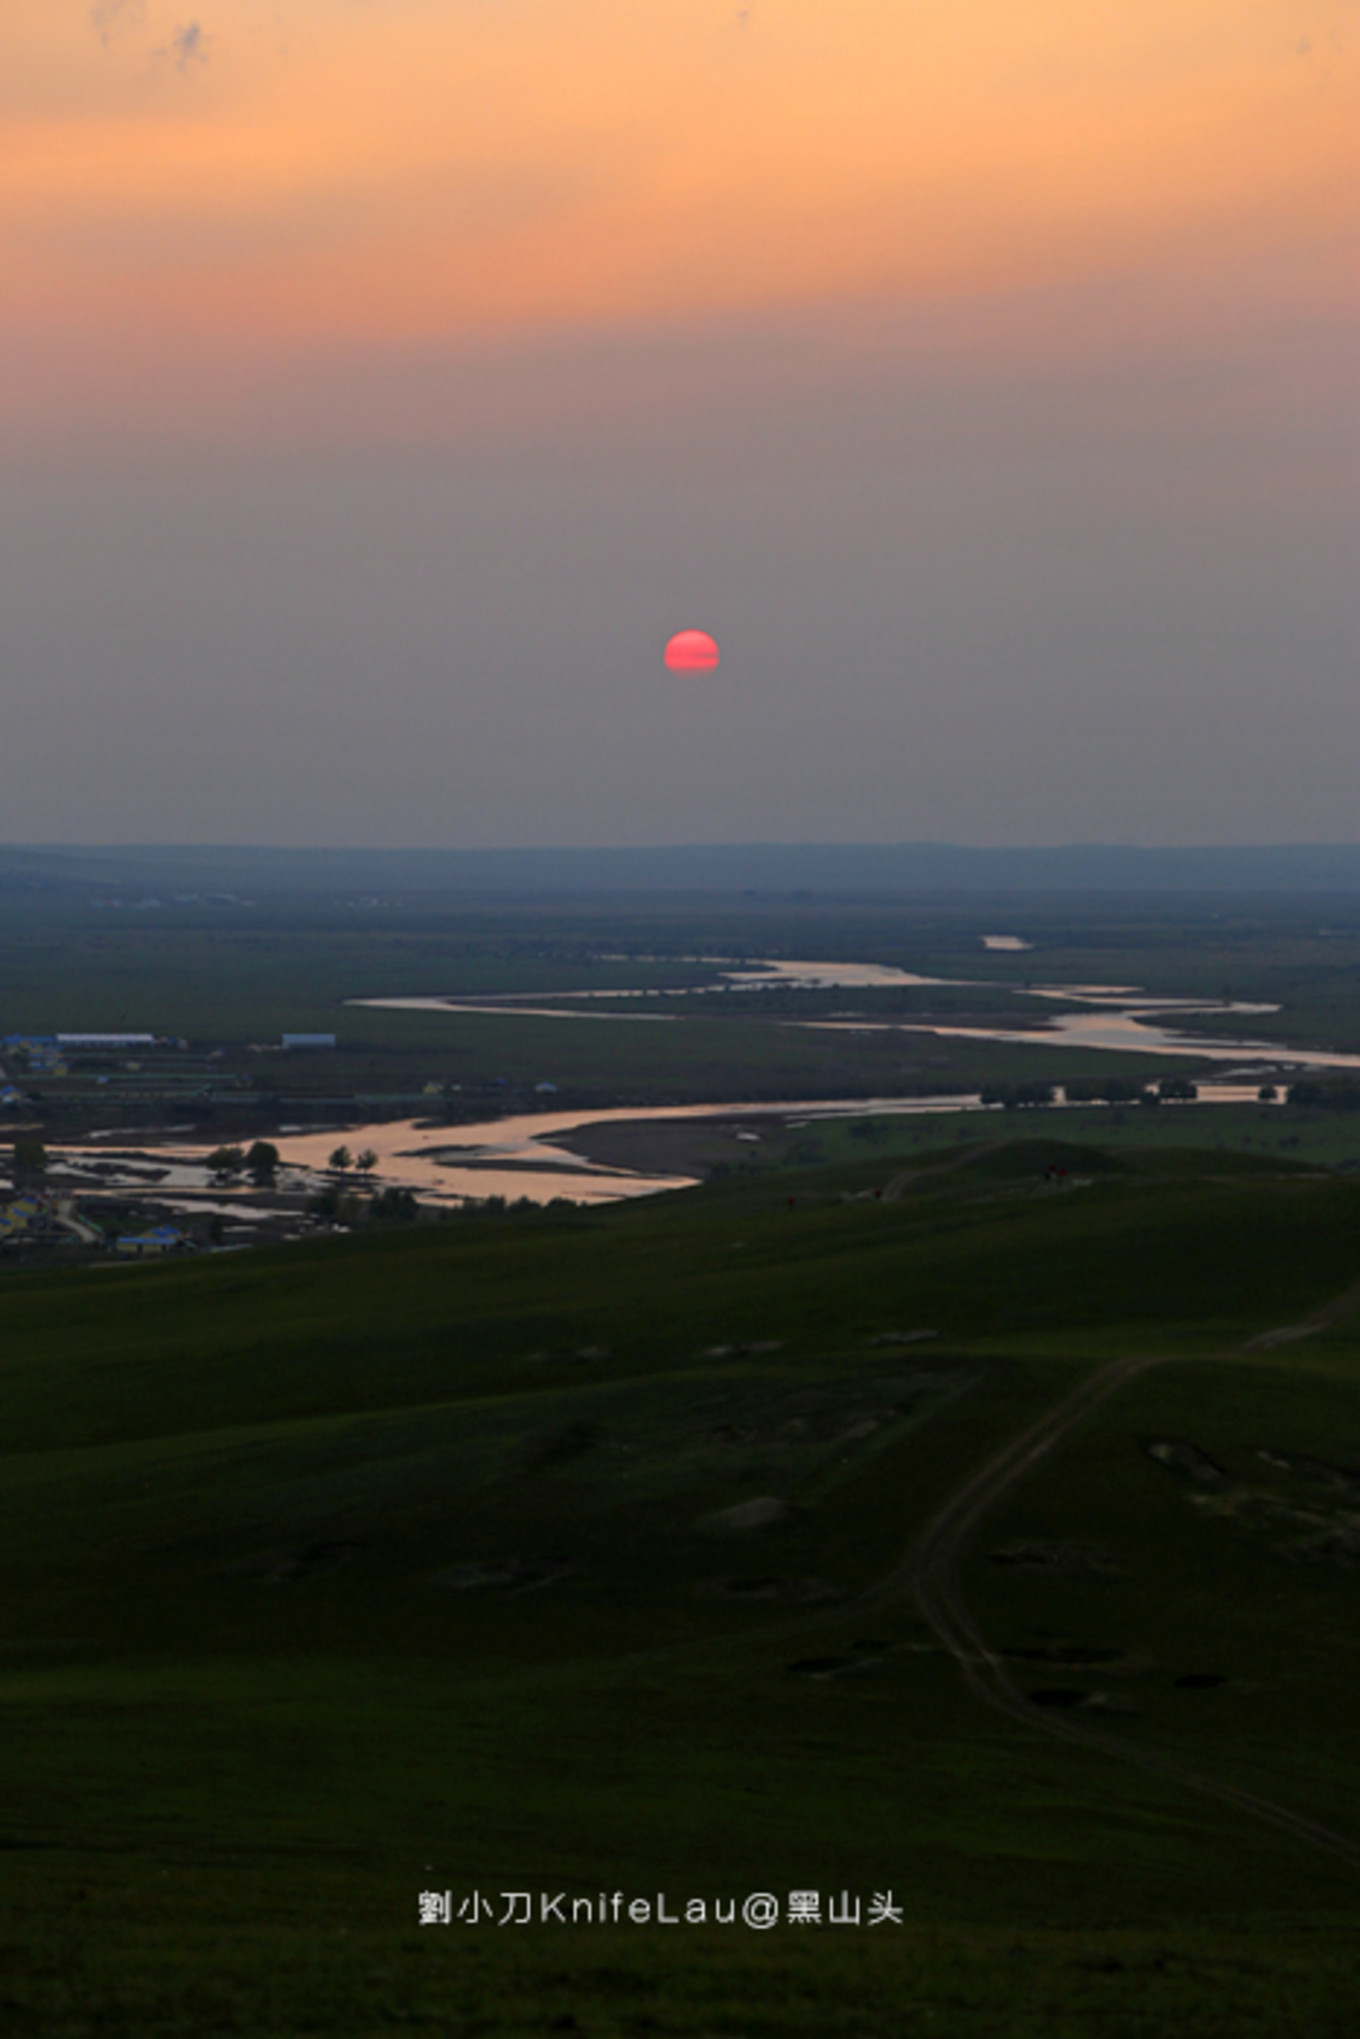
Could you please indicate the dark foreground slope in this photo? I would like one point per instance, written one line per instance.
(407, 1564)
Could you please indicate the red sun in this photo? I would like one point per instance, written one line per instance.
(691, 651)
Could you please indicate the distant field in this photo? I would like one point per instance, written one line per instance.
(724, 1147)
(343, 1572)
(241, 988)
(235, 976)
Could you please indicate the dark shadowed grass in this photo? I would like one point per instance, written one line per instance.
(335, 1574)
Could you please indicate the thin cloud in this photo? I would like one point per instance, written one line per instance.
(188, 46)
(108, 17)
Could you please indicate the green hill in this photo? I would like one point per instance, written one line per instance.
(571, 1553)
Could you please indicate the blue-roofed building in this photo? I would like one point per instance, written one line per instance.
(16, 1217)
(160, 1239)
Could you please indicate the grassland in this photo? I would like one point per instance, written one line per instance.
(748, 1147)
(394, 1563)
(343, 1572)
(237, 984)
(236, 975)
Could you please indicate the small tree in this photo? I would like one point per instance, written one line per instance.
(342, 1159)
(30, 1157)
(226, 1161)
(263, 1160)
(366, 1162)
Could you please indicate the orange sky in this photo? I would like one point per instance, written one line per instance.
(302, 176)
(383, 381)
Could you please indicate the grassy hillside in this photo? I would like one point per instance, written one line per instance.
(343, 1572)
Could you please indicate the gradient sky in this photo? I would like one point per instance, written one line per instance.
(383, 381)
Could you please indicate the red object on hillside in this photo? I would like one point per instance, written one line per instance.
(692, 651)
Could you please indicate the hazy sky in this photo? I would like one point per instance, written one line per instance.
(383, 381)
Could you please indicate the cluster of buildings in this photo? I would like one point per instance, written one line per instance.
(39, 1219)
(141, 1064)
(38, 1054)
(17, 1217)
(37, 1214)
(50, 1054)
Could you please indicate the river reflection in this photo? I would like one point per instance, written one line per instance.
(517, 1156)
(733, 980)
(510, 1157)
(1117, 1017)
(1125, 1028)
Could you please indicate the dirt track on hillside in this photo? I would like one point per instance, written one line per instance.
(932, 1576)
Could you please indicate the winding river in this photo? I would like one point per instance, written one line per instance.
(518, 1156)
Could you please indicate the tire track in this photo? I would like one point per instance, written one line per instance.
(931, 1575)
